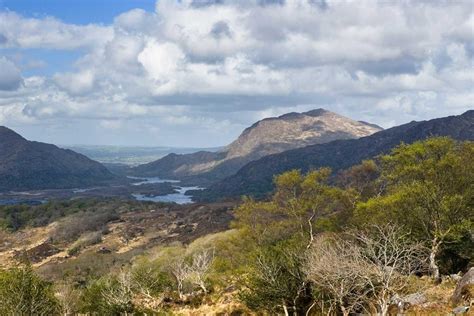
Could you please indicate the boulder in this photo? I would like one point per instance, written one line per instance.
(414, 299)
(465, 288)
(460, 310)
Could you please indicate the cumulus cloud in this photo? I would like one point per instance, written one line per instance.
(76, 83)
(18, 31)
(196, 64)
(10, 75)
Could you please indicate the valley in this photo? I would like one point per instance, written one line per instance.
(220, 242)
(141, 189)
(236, 158)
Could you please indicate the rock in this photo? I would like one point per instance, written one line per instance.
(460, 310)
(402, 303)
(455, 277)
(415, 299)
(464, 288)
(104, 250)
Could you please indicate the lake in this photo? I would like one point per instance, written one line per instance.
(179, 198)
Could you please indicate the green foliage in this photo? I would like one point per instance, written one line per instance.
(74, 250)
(425, 190)
(15, 217)
(150, 279)
(22, 292)
(299, 201)
(274, 280)
(106, 296)
(429, 190)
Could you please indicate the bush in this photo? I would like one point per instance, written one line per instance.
(22, 292)
(73, 226)
(108, 296)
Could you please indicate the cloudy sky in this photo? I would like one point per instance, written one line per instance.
(197, 72)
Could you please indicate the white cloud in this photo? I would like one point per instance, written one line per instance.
(10, 75)
(76, 83)
(189, 66)
(161, 61)
(49, 32)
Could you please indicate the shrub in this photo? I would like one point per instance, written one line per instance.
(22, 292)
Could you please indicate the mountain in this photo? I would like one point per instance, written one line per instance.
(256, 177)
(266, 137)
(28, 165)
(129, 155)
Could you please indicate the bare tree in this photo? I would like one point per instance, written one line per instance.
(119, 291)
(195, 272)
(365, 267)
(392, 257)
(68, 298)
(199, 269)
(338, 268)
(180, 270)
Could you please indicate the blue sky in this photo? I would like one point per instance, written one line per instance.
(69, 11)
(195, 73)
(76, 11)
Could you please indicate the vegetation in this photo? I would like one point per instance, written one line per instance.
(22, 292)
(15, 217)
(353, 242)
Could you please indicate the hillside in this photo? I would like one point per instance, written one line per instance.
(27, 165)
(256, 177)
(265, 137)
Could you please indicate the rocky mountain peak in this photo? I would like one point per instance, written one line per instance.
(293, 130)
(268, 136)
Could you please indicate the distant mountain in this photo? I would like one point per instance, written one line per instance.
(27, 165)
(129, 155)
(256, 177)
(266, 137)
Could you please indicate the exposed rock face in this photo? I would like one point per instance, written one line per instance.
(266, 137)
(465, 287)
(293, 130)
(27, 165)
(256, 177)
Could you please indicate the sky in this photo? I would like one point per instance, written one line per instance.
(195, 73)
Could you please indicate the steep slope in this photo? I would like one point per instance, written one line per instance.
(266, 137)
(26, 165)
(255, 178)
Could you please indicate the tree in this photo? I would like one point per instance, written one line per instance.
(336, 267)
(149, 279)
(109, 295)
(390, 257)
(364, 267)
(68, 298)
(429, 190)
(298, 203)
(200, 267)
(275, 281)
(117, 291)
(361, 178)
(194, 270)
(22, 292)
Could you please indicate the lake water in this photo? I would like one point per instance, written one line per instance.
(16, 202)
(179, 197)
(151, 180)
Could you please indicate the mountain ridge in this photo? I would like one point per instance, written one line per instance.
(264, 137)
(30, 165)
(255, 178)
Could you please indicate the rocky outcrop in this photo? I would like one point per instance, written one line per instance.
(465, 288)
